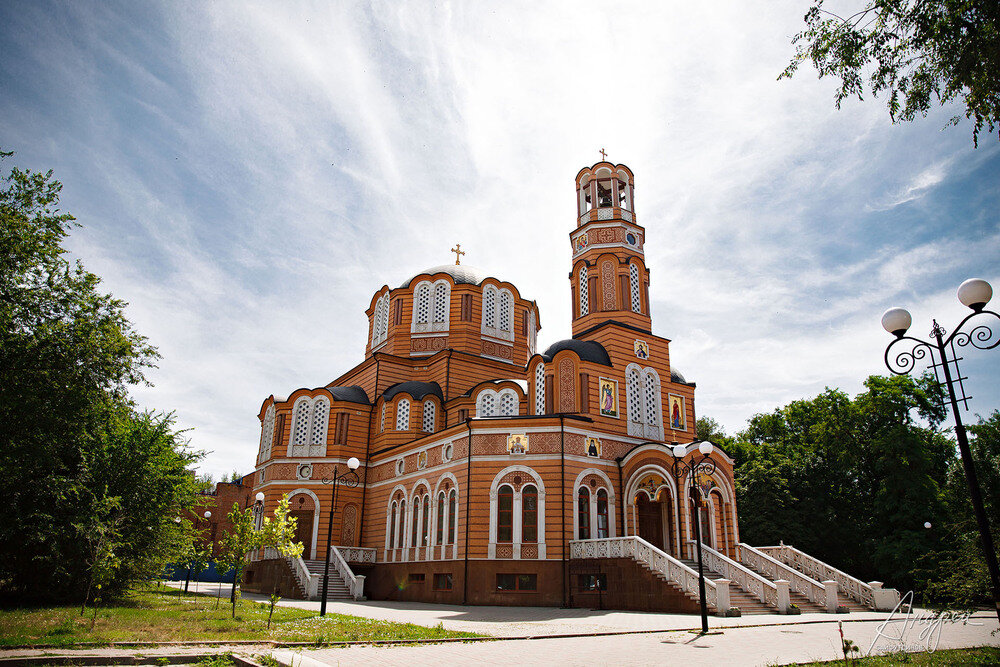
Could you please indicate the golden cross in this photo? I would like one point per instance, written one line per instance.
(604, 156)
(458, 251)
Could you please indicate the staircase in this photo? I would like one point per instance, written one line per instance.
(337, 588)
(738, 597)
(799, 600)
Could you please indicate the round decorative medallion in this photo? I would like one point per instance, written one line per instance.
(400, 466)
(630, 237)
(304, 471)
(517, 479)
(447, 452)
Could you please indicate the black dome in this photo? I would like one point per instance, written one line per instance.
(354, 394)
(587, 350)
(459, 272)
(415, 389)
(675, 376)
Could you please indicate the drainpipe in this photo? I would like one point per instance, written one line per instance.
(468, 499)
(368, 449)
(562, 494)
(621, 497)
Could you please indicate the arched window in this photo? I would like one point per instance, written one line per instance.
(583, 514)
(486, 404)
(498, 313)
(508, 403)
(441, 303)
(428, 417)
(529, 514)
(391, 539)
(489, 307)
(415, 525)
(441, 536)
(584, 292)
(380, 321)
(633, 275)
(642, 388)
(320, 421)
(403, 415)
(422, 308)
(532, 332)
(425, 521)
(452, 515)
(401, 532)
(310, 418)
(267, 433)
(603, 528)
(540, 389)
(431, 303)
(517, 514)
(381, 427)
(505, 514)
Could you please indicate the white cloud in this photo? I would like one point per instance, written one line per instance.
(249, 174)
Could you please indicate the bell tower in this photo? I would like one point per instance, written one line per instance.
(609, 280)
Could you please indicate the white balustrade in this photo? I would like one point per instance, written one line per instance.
(774, 569)
(764, 590)
(818, 570)
(355, 582)
(657, 561)
(358, 554)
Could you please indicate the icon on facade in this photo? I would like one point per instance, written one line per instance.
(642, 349)
(678, 421)
(517, 444)
(593, 446)
(608, 396)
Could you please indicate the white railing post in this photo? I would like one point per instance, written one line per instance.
(831, 596)
(885, 599)
(784, 600)
(722, 597)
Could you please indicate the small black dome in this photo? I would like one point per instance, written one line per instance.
(675, 376)
(587, 350)
(415, 389)
(354, 394)
(461, 273)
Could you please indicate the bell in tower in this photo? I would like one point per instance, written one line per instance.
(609, 280)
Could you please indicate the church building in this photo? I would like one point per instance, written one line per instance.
(492, 472)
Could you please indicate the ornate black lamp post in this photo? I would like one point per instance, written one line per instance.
(691, 469)
(350, 478)
(943, 354)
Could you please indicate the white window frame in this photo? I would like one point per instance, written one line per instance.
(434, 296)
(540, 389)
(636, 299)
(606, 485)
(303, 445)
(651, 426)
(400, 404)
(584, 292)
(266, 434)
(534, 479)
(491, 319)
(380, 321)
(497, 397)
(429, 414)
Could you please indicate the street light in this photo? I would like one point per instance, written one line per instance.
(350, 479)
(258, 510)
(705, 466)
(975, 294)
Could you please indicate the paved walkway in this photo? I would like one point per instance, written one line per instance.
(737, 645)
(537, 621)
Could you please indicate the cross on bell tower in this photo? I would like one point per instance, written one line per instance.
(458, 252)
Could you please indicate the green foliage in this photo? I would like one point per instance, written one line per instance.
(920, 52)
(243, 537)
(707, 428)
(91, 485)
(848, 481)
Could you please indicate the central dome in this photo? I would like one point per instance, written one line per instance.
(461, 273)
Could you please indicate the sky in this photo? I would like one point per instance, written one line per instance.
(248, 174)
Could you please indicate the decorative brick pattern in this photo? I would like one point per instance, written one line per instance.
(505, 551)
(608, 300)
(529, 551)
(348, 528)
(567, 386)
(499, 350)
(432, 344)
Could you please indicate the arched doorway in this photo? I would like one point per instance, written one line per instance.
(698, 503)
(654, 519)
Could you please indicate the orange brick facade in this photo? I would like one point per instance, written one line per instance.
(482, 457)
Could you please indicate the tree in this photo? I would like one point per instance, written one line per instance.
(243, 537)
(850, 481)
(92, 486)
(920, 52)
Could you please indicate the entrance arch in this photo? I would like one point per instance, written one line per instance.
(652, 511)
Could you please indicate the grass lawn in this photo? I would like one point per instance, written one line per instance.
(152, 615)
(987, 655)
